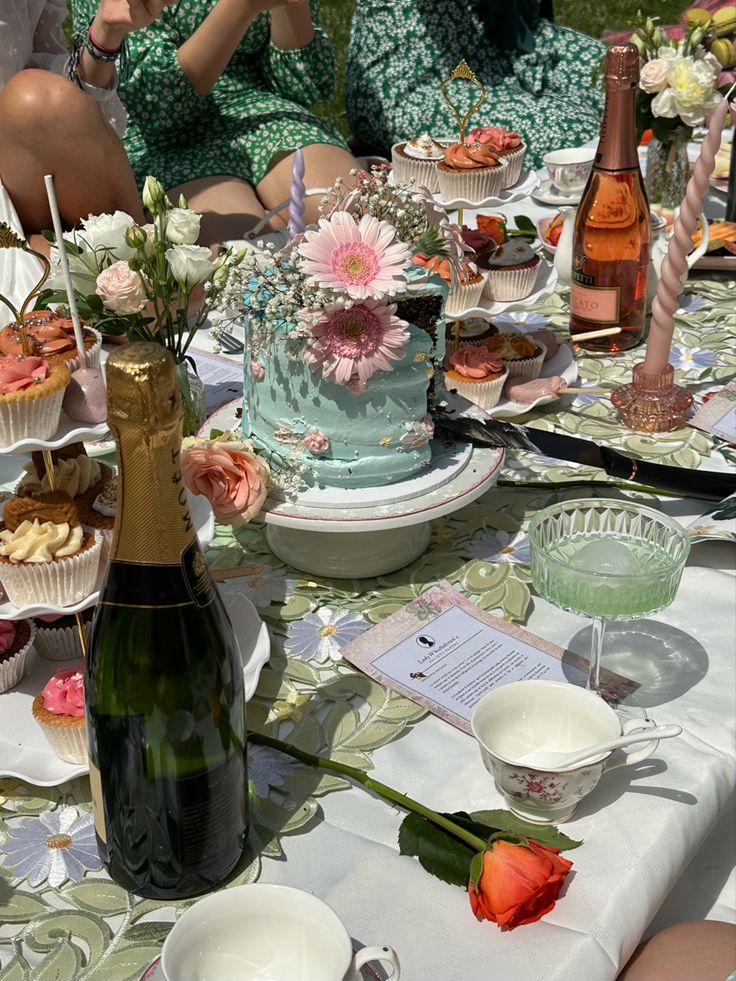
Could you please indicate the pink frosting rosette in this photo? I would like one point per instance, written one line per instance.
(17, 374)
(229, 473)
(317, 443)
(475, 362)
(7, 635)
(494, 136)
(64, 693)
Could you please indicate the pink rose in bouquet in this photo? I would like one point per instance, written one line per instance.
(229, 473)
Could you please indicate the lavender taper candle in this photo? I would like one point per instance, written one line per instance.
(296, 195)
(675, 266)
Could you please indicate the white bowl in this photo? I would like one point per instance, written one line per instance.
(569, 169)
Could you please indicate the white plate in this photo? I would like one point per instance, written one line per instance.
(68, 432)
(547, 193)
(24, 751)
(544, 286)
(563, 364)
(526, 183)
(204, 521)
(102, 445)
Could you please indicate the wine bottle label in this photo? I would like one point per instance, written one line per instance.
(197, 575)
(97, 810)
(598, 304)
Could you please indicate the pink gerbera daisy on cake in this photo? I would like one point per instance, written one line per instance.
(351, 345)
(363, 259)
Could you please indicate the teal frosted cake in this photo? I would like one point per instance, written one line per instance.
(334, 434)
(344, 335)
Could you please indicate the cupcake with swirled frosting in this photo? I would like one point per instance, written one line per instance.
(416, 160)
(31, 393)
(46, 556)
(473, 173)
(508, 145)
(51, 336)
(476, 374)
(59, 710)
(512, 271)
(522, 354)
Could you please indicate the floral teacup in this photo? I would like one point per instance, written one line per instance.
(522, 728)
(569, 169)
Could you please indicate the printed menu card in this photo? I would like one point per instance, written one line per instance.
(444, 652)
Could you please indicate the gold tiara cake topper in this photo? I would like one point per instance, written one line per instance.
(463, 71)
(10, 240)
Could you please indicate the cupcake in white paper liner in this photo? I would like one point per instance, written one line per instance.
(465, 280)
(59, 582)
(16, 640)
(416, 160)
(476, 374)
(473, 173)
(59, 710)
(512, 271)
(509, 147)
(58, 640)
(31, 393)
(522, 355)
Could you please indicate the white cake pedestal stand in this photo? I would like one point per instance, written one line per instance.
(350, 540)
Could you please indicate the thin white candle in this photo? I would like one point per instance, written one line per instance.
(64, 259)
(675, 267)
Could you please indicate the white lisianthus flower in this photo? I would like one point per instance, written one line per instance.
(182, 226)
(691, 92)
(190, 264)
(106, 234)
(121, 289)
(153, 195)
(653, 76)
(667, 53)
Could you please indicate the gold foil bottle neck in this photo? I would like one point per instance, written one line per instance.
(142, 388)
(622, 66)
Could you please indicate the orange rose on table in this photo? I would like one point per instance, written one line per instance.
(512, 884)
(229, 473)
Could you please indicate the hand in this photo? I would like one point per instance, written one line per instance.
(116, 18)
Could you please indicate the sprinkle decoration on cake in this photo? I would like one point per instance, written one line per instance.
(344, 334)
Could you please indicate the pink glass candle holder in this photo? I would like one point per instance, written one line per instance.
(652, 403)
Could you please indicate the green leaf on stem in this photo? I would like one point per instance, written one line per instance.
(525, 223)
(499, 820)
(439, 853)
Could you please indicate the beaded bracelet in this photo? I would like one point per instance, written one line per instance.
(97, 51)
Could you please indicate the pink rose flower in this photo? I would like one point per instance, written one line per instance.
(257, 370)
(317, 443)
(232, 477)
(121, 289)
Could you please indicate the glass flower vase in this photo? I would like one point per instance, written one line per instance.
(192, 397)
(668, 169)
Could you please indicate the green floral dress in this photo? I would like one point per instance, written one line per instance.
(256, 109)
(400, 50)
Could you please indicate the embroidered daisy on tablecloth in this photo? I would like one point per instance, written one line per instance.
(55, 846)
(691, 358)
(497, 546)
(320, 635)
(267, 769)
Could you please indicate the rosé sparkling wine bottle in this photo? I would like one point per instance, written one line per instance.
(613, 229)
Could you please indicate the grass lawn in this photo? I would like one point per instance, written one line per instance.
(588, 16)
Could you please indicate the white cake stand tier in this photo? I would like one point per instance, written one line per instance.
(326, 533)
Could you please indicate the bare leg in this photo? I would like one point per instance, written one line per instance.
(322, 164)
(49, 126)
(229, 207)
(703, 950)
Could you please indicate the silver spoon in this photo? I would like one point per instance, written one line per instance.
(636, 736)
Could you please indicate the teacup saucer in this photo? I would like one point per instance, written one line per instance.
(154, 972)
(547, 193)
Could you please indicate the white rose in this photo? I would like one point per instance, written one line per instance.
(105, 234)
(190, 264)
(691, 93)
(667, 53)
(121, 289)
(653, 76)
(182, 226)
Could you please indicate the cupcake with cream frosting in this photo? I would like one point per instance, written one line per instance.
(59, 710)
(51, 337)
(512, 271)
(31, 393)
(470, 172)
(416, 160)
(523, 355)
(46, 555)
(508, 145)
(465, 291)
(476, 374)
(16, 639)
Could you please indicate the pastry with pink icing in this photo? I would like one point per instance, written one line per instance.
(476, 374)
(526, 391)
(31, 393)
(59, 710)
(16, 638)
(508, 145)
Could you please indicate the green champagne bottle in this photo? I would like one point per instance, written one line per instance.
(164, 680)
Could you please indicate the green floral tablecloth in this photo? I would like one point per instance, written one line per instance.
(62, 918)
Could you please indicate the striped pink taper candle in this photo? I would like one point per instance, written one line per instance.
(674, 266)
